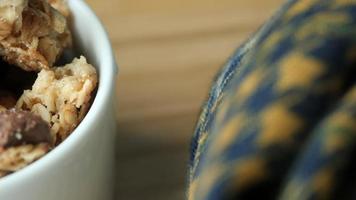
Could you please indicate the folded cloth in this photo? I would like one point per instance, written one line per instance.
(280, 121)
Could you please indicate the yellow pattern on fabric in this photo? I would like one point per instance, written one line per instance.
(249, 85)
(208, 179)
(341, 3)
(278, 125)
(290, 91)
(248, 172)
(269, 43)
(299, 7)
(333, 142)
(221, 112)
(192, 189)
(322, 183)
(319, 24)
(295, 191)
(228, 133)
(297, 70)
(351, 96)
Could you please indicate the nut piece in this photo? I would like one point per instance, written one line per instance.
(32, 33)
(61, 96)
(22, 127)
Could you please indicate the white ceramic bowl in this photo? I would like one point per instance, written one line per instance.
(81, 168)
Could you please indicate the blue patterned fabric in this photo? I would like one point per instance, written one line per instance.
(280, 121)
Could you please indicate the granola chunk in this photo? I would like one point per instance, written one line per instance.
(11, 16)
(61, 96)
(15, 158)
(32, 33)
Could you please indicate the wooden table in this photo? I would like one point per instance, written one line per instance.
(168, 52)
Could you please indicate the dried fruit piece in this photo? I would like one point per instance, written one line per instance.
(61, 96)
(32, 33)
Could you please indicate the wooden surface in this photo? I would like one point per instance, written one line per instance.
(168, 52)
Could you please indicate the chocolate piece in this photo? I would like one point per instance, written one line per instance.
(22, 127)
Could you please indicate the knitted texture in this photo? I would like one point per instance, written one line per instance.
(280, 120)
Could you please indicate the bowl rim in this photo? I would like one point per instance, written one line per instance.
(107, 77)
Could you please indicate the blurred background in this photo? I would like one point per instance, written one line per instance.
(168, 52)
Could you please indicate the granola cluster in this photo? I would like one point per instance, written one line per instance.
(61, 96)
(40, 103)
